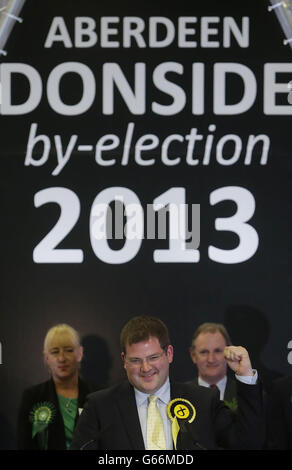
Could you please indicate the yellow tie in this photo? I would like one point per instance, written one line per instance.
(155, 431)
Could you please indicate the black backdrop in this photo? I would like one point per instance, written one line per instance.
(249, 293)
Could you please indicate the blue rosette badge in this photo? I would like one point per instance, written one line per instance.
(41, 416)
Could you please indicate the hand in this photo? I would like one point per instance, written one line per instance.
(238, 360)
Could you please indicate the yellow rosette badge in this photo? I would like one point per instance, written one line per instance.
(180, 409)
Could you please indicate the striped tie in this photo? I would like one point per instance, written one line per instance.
(155, 431)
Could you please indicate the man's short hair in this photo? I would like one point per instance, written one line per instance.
(209, 327)
(141, 328)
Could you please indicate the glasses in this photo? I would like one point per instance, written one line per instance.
(151, 360)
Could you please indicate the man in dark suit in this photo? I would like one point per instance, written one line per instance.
(119, 418)
(280, 414)
(207, 353)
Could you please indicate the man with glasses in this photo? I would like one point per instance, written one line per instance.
(144, 412)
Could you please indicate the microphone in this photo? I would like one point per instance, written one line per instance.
(186, 435)
(182, 413)
(95, 440)
(88, 444)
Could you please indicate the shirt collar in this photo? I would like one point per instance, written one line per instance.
(221, 384)
(163, 394)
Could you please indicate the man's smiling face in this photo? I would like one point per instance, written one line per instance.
(147, 364)
(208, 354)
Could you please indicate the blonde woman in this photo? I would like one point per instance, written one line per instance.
(49, 411)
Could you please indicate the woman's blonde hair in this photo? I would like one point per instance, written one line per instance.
(61, 329)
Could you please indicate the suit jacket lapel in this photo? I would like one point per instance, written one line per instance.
(230, 390)
(174, 391)
(57, 433)
(126, 403)
(187, 438)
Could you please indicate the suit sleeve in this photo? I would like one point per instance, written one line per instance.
(87, 431)
(245, 427)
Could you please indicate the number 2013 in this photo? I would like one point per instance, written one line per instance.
(177, 252)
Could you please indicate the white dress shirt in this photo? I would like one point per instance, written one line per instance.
(221, 385)
(163, 395)
(247, 379)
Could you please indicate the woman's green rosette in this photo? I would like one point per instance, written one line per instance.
(41, 416)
